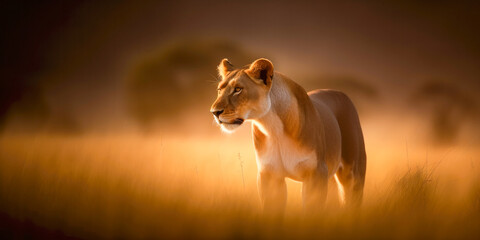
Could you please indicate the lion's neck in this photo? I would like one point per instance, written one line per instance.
(290, 110)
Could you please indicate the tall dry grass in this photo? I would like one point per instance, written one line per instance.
(141, 188)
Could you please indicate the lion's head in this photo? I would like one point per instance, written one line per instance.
(243, 94)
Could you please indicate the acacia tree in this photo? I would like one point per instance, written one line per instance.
(177, 78)
(448, 108)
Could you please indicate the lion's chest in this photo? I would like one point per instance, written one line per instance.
(285, 157)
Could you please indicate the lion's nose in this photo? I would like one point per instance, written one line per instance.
(217, 112)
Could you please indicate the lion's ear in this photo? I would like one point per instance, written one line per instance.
(261, 69)
(224, 67)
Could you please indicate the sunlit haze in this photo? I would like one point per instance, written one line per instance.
(106, 129)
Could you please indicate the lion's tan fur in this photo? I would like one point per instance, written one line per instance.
(309, 137)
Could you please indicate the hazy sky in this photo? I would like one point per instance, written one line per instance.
(89, 47)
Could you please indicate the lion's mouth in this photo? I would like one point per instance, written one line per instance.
(237, 121)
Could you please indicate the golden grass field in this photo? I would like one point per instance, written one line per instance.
(138, 187)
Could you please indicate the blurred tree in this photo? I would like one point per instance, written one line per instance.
(177, 78)
(448, 107)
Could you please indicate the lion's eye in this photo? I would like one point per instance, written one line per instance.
(237, 90)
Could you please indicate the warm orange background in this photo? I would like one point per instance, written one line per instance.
(106, 130)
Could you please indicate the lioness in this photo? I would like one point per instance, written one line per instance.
(309, 137)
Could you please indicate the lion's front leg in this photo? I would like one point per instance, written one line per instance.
(273, 192)
(314, 191)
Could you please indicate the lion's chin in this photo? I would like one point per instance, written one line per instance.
(229, 127)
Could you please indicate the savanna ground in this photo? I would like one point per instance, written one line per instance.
(142, 187)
